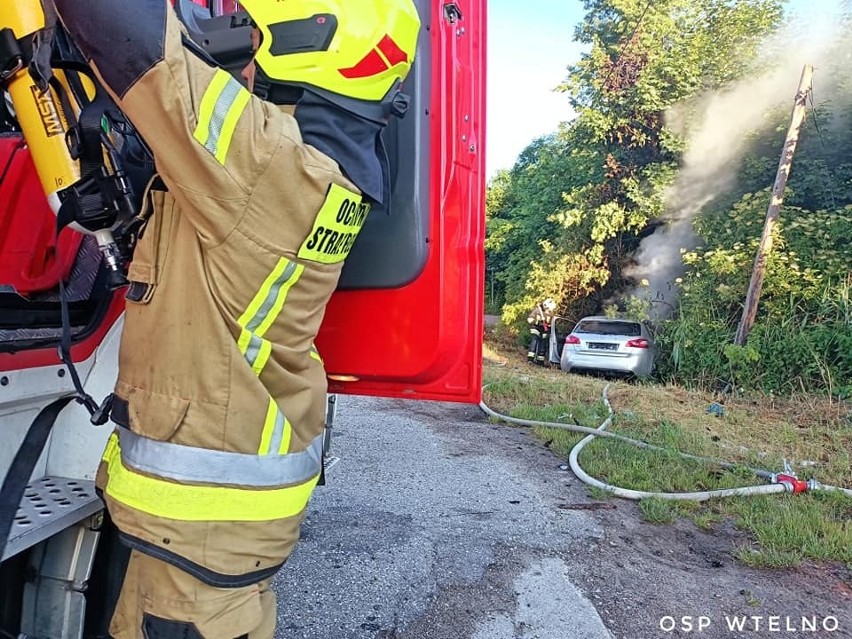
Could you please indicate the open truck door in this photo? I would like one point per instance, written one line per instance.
(405, 322)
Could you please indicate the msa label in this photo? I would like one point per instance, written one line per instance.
(337, 225)
(49, 114)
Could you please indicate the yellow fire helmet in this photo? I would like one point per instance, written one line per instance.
(351, 52)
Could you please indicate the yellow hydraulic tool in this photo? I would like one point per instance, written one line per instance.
(48, 113)
(42, 122)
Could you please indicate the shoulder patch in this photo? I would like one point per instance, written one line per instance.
(336, 226)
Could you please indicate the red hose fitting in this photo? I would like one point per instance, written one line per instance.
(798, 485)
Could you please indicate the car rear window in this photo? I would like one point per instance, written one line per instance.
(600, 327)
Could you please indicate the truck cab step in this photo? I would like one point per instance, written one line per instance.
(50, 504)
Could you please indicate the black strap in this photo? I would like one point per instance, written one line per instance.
(92, 202)
(22, 466)
(39, 65)
(90, 153)
(99, 414)
(11, 55)
(85, 134)
(86, 145)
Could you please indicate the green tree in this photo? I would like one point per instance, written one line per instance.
(802, 339)
(565, 220)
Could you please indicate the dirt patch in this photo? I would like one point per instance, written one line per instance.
(647, 579)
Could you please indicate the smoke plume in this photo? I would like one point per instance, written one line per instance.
(717, 128)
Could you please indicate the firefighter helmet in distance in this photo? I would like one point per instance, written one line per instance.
(549, 304)
(357, 49)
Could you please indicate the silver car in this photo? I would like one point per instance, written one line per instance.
(609, 345)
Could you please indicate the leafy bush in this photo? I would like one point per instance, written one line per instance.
(802, 339)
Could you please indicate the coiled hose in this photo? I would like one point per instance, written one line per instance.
(780, 486)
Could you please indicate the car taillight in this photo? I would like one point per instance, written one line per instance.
(572, 339)
(638, 343)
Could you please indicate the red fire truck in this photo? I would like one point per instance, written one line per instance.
(405, 322)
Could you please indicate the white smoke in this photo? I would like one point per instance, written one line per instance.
(717, 128)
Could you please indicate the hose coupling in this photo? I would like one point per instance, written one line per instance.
(792, 483)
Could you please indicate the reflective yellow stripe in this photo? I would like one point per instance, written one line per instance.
(315, 354)
(111, 447)
(244, 341)
(208, 104)
(279, 301)
(221, 107)
(263, 293)
(183, 502)
(262, 312)
(230, 124)
(284, 448)
(277, 432)
(268, 427)
(262, 357)
(255, 349)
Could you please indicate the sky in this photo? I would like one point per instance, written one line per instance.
(530, 45)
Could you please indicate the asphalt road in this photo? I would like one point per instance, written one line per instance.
(436, 524)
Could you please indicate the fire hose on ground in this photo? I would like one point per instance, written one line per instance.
(785, 482)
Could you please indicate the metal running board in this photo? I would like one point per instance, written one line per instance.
(50, 504)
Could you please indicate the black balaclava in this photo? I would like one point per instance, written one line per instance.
(353, 142)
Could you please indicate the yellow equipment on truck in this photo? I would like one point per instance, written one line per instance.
(71, 134)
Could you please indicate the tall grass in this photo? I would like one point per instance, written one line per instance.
(797, 345)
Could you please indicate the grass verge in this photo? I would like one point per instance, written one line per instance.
(757, 432)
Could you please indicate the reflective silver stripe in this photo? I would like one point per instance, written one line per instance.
(224, 103)
(253, 348)
(277, 433)
(203, 466)
(265, 306)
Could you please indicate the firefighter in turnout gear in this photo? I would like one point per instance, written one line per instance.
(540, 320)
(220, 397)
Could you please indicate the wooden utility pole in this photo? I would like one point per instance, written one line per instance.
(765, 248)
